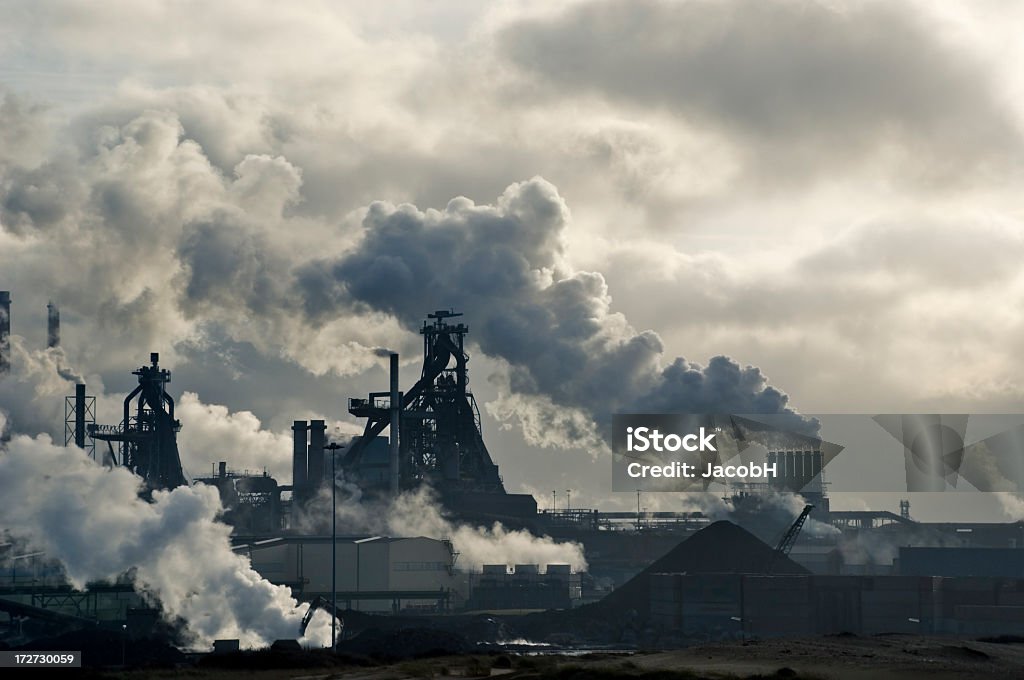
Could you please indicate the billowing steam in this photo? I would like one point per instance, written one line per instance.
(92, 520)
(505, 266)
(165, 245)
(1012, 505)
(419, 514)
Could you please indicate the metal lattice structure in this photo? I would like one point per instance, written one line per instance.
(789, 538)
(440, 440)
(147, 438)
(79, 418)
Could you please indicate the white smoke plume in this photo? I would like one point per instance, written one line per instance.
(1012, 505)
(212, 433)
(92, 520)
(161, 245)
(506, 267)
(419, 514)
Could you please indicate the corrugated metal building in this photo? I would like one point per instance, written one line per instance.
(374, 573)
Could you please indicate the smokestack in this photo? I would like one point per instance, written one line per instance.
(222, 469)
(317, 440)
(396, 414)
(80, 415)
(5, 331)
(299, 476)
(52, 325)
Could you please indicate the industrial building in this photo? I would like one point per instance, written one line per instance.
(736, 605)
(35, 596)
(434, 435)
(525, 587)
(374, 573)
(431, 435)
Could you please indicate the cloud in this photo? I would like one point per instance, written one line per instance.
(795, 85)
(504, 266)
(419, 513)
(212, 433)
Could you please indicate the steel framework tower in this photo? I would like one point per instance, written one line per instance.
(147, 439)
(440, 440)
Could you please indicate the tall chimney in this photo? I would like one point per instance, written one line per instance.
(52, 325)
(80, 415)
(299, 476)
(317, 441)
(5, 331)
(396, 414)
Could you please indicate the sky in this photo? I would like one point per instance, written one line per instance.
(615, 194)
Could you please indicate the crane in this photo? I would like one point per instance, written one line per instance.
(320, 602)
(789, 538)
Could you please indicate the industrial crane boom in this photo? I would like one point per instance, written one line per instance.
(319, 603)
(789, 538)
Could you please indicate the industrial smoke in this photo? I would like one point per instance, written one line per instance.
(92, 520)
(418, 513)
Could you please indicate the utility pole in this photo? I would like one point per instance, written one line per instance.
(334, 446)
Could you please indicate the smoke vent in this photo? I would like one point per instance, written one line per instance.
(79, 417)
(795, 470)
(5, 331)
(52, 325)
(317, 441)
(300, 431)
(395, 404)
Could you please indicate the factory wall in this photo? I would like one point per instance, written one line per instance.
(526, 587)
(735, 605)
(375, 565)
(974, 561)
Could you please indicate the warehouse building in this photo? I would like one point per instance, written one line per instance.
(373, 573)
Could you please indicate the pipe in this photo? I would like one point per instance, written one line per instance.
(317, 440)
(52, 325)
(299, 468)
(80, 415)
(396, 412)
(5, 331)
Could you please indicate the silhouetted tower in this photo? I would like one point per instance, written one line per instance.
(440, 438)
(52, 325)
(148, 437)
(5, 331)
(79, 417)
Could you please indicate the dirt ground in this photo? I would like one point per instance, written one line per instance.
(889, 657)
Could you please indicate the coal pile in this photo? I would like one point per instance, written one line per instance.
(720, 548)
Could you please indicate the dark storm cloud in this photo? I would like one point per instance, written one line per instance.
(794, 76)
(502, 266)
(157, 244)
(33, 200)
(226, 262)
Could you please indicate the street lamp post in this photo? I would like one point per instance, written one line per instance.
(334, 446)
